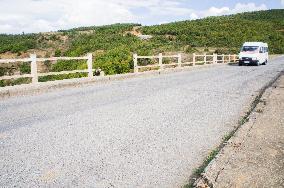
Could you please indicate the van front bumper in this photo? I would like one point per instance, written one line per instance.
(250, 61)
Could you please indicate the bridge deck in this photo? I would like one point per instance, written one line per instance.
(140, 132)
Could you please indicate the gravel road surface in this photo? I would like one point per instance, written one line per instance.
(140, 132)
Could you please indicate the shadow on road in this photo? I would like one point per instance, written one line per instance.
(236, 64)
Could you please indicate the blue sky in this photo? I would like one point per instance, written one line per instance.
(17, 16)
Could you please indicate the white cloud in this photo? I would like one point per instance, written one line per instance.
(49, 15)
(248, 7)
(193, 16)
(213, 11)
(282, 3)
(239, 7)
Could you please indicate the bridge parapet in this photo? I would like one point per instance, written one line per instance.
(197, 59)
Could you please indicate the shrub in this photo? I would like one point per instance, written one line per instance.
(69, 65)
(116, 61)
(2, 71)
(190, 49)
(13, 82)
(61, 77)
(57, 53)
(25, 68)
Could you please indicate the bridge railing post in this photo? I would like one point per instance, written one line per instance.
(161, 61)
(179, 60)
(34, 68)
(215, 58)
(90, 65)
(193, 59)
(223, 58)
(135, 61)
(229, 58)
(205, 59)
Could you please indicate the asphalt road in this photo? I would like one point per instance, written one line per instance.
(140, 132)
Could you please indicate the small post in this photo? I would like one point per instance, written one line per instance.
(34, 68)
(161, 61)
(235, 59)
(205, 58)
(223, 58)
(90, 65)
(215, 58)
(102, 73)
(179, 60)
(229, 58)
(193, 59)
(135, 59)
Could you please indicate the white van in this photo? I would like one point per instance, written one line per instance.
(253, 53)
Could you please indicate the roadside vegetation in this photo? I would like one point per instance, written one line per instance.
(17, 43)
(113, 45)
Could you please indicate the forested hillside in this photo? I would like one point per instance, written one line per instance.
(218, 32)
(227, 31)
(113, 45)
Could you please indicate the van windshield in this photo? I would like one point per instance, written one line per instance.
(249, 48)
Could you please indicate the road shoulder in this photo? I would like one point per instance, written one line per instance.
(254, 156)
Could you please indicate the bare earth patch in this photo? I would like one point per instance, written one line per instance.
(254, 157)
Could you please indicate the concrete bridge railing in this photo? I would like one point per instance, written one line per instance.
(196, 59)
(34, 69)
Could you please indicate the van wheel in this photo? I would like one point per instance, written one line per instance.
(265, 62)
(257, 63)
(240, 64)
